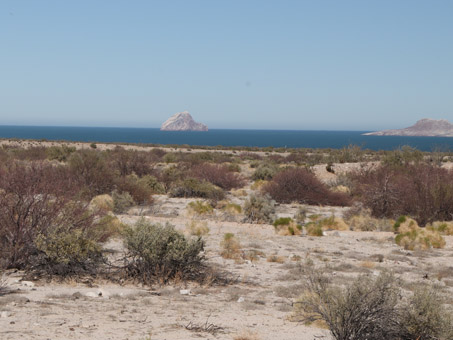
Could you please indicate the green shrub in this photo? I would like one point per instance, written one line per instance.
(60, 153)
(265, 172)
(282, 221)
(194, 188)
(425, 316)
(259, 209)
(122, 202)
(66, 252)
(160, 253)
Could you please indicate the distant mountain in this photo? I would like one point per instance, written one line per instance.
(424, 127)
(182, 121)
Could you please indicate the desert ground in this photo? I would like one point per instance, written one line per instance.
(267, 277)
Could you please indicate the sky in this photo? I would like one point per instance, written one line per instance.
(233, 64)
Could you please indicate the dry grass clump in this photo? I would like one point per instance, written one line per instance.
(230, 208)
(444, 228)
(197, 228)
(318, 225)
(102, 202)
(276, 259)
(258, 184)
(360, 219)
(200, 208)
(246, 336)
(412, 237)
(287, 227)
(231, 247)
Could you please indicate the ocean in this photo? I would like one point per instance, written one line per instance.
(214, 137)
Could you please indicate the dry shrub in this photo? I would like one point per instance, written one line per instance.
(259, 209)
(219, 175)
(239, 192)
(265, 172)
(372, 308)
(197, 228)
(160, 253)
(421, 191)
(231, 247)
(102, 202)
(231, 208)
(318, 225)
(137, 187)
(200, 208)
(39, 202)
(276, 259)
(365, 222)
(127, 162)
(91, 170)
(287, 227)
(258, 184)
(302, 186)
(365, 309)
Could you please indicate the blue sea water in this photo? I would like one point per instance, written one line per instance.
(261, 138)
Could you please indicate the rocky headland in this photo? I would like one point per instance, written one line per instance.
(424, 127)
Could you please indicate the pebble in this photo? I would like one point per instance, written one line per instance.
(184, 291)
(241, 299)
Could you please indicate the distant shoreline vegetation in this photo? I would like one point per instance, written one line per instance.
(224, 139)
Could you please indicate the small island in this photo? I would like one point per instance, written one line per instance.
(424, 127)
(182, 121)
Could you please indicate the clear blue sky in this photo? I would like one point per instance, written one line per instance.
(280, 64)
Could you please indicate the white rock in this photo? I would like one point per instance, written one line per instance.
(4, 314)
(184, 291)
(28, 284)
(92, 294)
(241, 299)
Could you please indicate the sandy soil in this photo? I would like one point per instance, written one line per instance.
(260, 302)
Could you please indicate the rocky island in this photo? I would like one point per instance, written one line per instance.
(424, 127)
(182, 121)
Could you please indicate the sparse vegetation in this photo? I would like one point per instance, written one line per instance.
(159, 253)
(259, 209)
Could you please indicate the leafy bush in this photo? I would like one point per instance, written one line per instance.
(259, 209)
(137, 187)
(160, 253)
(265, 172)
(194, 188)
(60, 153)
(65, 251)
(420, 239)
(218, 175)
(300, 185)
(122, 202)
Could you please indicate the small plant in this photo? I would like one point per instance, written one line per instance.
(93, 146)
(276, 259)
(122, 202)
(231, 247)
(195, 188)
(104, 203)
(314, 229)
(265, 172)
(420, 239)
(200, 208)
(286, 226)
(196, 228)
(259, 209)
(160, 253)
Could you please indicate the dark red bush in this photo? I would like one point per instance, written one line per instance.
(35, 197)
(218, 175)
(300, 185)
(421, 191)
